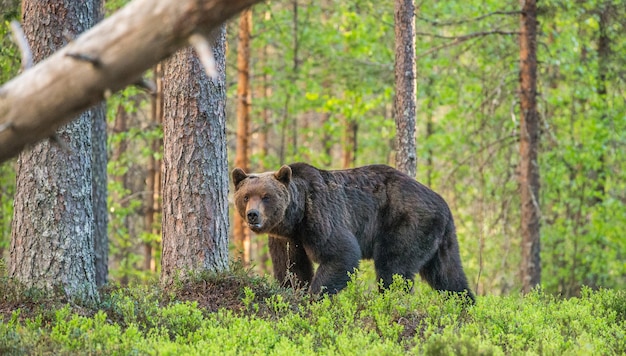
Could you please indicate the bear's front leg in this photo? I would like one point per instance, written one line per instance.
(337, 260)
(292, 267)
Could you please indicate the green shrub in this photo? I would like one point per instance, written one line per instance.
(267, 320)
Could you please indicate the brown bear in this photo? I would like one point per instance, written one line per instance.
(336, 218)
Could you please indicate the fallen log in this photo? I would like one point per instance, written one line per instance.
(107, 58)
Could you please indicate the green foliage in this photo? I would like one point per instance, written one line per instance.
(9, 66)
(142, 320)
(130, 148)
(7, 190)
(332, 66)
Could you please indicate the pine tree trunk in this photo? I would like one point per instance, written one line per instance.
(195, 184)
(529, 144)
(349, 142)
(241, 234)
(52, 240)
(406, 86)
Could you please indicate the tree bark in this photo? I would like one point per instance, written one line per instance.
(52, 239)
(104, 60)
(241, 233)
(195, 185)
(406, 86)
(529, 144)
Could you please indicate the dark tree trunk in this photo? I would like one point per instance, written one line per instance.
(529, 144)
(406, 86)
(195, 182)
(52, 240)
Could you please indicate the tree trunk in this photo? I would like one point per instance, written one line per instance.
(111, 56)
(195, 185)
(349, 142)
(529, 144)
(52, 240)
(406, 86)
(241, 233)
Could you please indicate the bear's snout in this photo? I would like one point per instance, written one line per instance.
(253, 217)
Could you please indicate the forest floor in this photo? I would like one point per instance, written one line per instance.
(240, 313)
(210, 292)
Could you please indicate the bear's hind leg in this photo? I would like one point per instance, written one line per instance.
(393, 255)
(292, 267)
(444, 271)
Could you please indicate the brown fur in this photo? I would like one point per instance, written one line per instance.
(337, 218)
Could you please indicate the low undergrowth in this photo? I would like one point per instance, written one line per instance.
(238, 314)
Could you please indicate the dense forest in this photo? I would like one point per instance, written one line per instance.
(526, 151)
(320, 89)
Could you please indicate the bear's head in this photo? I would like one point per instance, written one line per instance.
(262, 199)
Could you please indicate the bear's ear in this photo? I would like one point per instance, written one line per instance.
(283, 175)
(238, 176)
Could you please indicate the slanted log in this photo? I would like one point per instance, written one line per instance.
(107, 58)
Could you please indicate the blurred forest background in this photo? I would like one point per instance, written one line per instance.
(321, 90)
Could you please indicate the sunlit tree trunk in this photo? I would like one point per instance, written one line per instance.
(529, 144)
(195, 182)
(241, 234)
(52, 240)
(349, 142)
(406, 86)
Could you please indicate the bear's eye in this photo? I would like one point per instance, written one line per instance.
(246, 198)
(266, 198)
